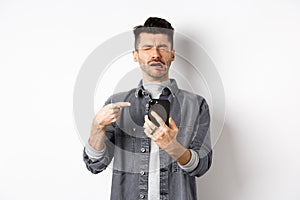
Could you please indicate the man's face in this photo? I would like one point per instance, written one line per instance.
(155, 56)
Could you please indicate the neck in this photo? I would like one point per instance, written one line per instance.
(155, 88)
(155, 80)
(163, 83)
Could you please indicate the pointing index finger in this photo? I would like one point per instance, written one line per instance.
(122, 104)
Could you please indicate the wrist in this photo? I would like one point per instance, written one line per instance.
(96, 142)
(96, 139)
(185, 157)
(175, 150)
(178, 152)
(97, 128)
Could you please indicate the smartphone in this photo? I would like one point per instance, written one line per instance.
(162, 108)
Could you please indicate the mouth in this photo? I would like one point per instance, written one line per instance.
(156, 64)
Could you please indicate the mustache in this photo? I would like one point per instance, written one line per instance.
(156, 61)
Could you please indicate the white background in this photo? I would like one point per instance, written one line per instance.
(254, 44)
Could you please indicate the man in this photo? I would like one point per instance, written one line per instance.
(152, 161)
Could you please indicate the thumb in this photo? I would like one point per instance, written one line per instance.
(172, 123)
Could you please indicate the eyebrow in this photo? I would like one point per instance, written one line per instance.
(162, 45)
(150, 45)
(147, 45)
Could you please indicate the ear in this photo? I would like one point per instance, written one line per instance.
(135, 55)
(173, 55)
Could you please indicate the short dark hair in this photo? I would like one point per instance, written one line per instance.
(154, 25)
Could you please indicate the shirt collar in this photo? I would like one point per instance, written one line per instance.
(173, 88)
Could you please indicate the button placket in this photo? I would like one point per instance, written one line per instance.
(144, 160)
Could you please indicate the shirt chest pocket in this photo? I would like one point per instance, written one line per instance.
(124, 141)
(124, 153)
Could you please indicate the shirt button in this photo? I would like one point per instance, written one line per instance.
(142, 173)
(133, 129)
(142, 196)
(143, 150)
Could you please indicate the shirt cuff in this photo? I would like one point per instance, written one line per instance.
(192, 164)
(94, 154)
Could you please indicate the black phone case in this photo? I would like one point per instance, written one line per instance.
(162, 108)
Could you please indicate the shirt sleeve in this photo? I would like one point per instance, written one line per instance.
(97, 161)
(201, 144)
(94, 154)
(192, 164)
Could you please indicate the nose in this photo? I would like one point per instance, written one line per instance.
(155, 53)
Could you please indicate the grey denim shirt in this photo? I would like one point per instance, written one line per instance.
(129, 147)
